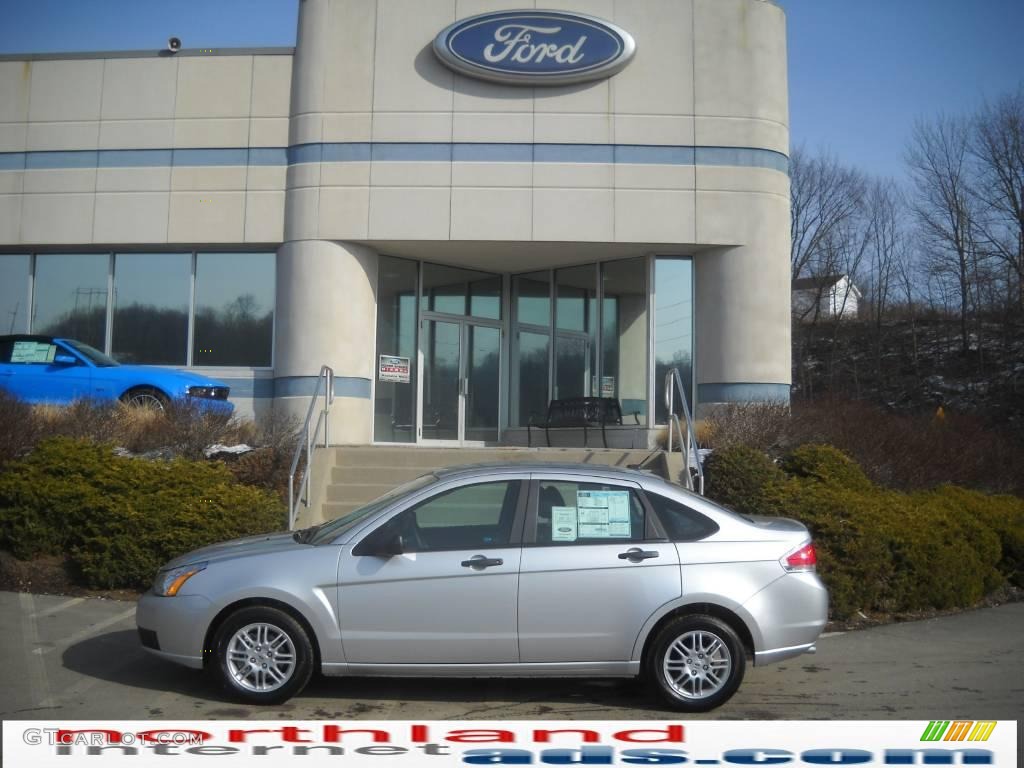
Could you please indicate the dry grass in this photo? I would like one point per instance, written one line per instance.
(896, 451)
(181, 430)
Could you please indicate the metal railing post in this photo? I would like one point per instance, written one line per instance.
(308, 440)
(687, 440)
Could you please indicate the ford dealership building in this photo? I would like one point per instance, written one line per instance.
(466, 208)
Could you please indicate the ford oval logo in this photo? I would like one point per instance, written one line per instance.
(535, 47)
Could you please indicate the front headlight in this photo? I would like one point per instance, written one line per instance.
(210, 393)
(167, 583)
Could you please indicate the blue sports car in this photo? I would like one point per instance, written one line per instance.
(44, 369)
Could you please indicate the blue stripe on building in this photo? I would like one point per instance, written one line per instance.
(344, 152)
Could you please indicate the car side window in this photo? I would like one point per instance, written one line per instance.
(680, 522)
(24, 352)
(587, 513)
(469, 517)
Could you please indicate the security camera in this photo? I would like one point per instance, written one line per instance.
(173, 44)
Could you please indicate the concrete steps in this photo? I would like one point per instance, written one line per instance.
(363, 473)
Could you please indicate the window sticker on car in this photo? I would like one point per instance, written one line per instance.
(33, 352)
(563, 524)
(603, 514)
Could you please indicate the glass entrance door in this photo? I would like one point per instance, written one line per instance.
(461, 380)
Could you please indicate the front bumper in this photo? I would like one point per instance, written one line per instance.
(174, 628)
(210, 405)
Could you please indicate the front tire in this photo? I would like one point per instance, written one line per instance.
(696, 663)
(145, 397)
(262, 655)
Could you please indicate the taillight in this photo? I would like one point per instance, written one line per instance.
(803, 559)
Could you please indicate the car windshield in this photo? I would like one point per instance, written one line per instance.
(94, 356)
(330, 530)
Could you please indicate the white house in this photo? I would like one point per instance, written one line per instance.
(830, 296)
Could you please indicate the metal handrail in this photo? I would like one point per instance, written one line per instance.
(308, 441)
(687, 441)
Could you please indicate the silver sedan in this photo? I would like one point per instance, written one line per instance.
(489, 571)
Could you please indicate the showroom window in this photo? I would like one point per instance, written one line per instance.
(151, 298)
(673, 328)
(624, 336)
(143, 308)
(602, 326)
(395, 392)
(14, 273)
(576, 332)
(234, 315)
(531, 350)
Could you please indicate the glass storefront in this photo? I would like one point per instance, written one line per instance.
(143, 307)
(595, 330)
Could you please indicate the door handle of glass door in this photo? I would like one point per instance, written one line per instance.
(479, 562)
(636, 554)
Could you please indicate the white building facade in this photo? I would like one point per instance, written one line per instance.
(460, 247)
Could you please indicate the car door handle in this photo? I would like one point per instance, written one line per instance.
(636, 554)
(480, 562)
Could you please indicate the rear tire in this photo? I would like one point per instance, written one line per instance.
(696, 663)
(262, 655)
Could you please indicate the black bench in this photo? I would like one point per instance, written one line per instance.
(576, 412)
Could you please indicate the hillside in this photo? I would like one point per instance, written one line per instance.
(916, 366)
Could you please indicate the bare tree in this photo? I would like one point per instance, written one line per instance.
(945, 208)
(998, 148)
(884, 210)
(825, 194)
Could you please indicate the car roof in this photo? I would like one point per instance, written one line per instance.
(27, 337)
(602, 470)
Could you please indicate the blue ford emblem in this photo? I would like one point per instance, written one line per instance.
(535, 47)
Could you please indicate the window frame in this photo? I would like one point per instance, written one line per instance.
(653, 530)
(374, 529)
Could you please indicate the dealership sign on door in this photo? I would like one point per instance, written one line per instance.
(535, 47)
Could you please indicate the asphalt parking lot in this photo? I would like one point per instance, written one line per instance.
(80, 658)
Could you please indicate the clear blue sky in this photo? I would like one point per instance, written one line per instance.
(860, 70)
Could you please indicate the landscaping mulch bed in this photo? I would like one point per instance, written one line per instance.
(49, 575)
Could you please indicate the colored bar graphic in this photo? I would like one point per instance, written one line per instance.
(958, 730)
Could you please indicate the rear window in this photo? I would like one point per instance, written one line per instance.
(680, 522)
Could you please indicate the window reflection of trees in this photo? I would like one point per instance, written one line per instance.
(238, 333)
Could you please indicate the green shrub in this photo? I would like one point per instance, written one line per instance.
(827, 465)
(880, 550)
(118, 518)
(1003, 515)
(737, 477)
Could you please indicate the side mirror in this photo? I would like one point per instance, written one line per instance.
(384, 542)
(64, 360)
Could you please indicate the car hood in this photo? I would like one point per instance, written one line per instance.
(236, 548)
(143, 372)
